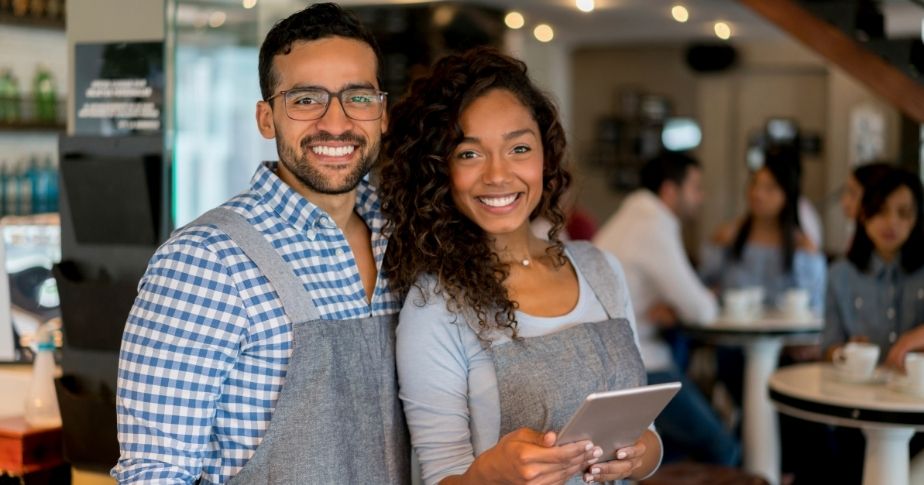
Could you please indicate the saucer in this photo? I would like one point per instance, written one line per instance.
(877, 377)
(899, 383)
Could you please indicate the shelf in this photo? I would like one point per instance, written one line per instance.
(34, 126)
(30, 21)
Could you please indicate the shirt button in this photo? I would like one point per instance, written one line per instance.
(858, 303)
(341, 251)
(890, 313)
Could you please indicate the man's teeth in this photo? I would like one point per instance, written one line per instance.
(498, 201)
(333, 151)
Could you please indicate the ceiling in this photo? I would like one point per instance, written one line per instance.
(613, 21)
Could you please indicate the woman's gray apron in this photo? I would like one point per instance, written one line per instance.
(338, 418)
(542, 380)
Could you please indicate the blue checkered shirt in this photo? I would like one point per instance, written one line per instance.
(206, 345)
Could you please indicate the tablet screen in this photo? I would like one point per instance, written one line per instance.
(615, 419)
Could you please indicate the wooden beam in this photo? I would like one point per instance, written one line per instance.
(864, 65)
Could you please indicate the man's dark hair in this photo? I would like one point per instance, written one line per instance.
(666, 167)
(315, 22)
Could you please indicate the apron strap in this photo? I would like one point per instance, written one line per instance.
(596, 269)
(296, 302)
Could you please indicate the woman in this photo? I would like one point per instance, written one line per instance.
(494, 347)
(867, 175)
(767, 248)
(877, 293)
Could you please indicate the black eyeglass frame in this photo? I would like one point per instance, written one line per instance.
(330, 96)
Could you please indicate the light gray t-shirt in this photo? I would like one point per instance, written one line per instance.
(447, 379)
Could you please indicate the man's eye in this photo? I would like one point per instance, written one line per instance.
(307, 99)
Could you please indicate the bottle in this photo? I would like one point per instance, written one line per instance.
(44, 95)
(52, 185)
(42, 401)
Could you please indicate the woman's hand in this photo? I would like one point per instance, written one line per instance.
(909, 341)
(529, 457)
(633, 462)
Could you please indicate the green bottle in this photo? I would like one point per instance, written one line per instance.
(43, 91)
(9, 97)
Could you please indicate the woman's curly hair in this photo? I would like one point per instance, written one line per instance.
(427, 232)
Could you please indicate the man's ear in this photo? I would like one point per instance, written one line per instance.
(265, 122)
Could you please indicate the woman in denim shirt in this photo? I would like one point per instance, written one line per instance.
(877, 293)
(767, 247)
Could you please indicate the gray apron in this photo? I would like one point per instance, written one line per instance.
(541, 381)
(338, 418)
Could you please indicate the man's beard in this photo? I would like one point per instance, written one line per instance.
(311, 177)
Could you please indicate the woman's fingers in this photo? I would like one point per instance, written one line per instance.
(627, 460)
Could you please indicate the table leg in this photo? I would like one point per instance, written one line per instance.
(761, 429)
(886, 458)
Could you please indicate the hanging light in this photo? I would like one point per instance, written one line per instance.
(585, 5)
(217, 19)
(722, 30)
(680, 13)
(544, 33)
(514, 20)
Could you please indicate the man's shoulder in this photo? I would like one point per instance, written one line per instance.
(202, 234)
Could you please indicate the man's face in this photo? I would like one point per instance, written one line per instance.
(331, 154)
(690, 194)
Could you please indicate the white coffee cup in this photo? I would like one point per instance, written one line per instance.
(914, 369)
(756, 299)
(795, 302)
(737, 303)
(856, 361)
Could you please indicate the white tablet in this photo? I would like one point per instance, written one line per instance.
(616, 419)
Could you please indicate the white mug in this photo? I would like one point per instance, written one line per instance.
(914, 368)
(795, 302)
(737, 303)
(856, 360)
(756, 299)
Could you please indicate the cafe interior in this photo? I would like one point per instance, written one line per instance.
(122, 120)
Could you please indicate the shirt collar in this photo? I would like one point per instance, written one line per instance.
(882, 270)
(303, 215)
(650, 199)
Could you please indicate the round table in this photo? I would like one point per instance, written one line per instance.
(761, 338)
(888, 417)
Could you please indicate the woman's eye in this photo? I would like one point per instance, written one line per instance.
(521, 149)
(467, 155)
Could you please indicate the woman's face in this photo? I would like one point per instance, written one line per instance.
(851, 197)
(496, 172)
(891, 226)
(765, 197)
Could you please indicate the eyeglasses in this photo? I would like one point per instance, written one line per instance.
(307, 104)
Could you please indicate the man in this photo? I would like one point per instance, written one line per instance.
(645, 235)
(260, 348)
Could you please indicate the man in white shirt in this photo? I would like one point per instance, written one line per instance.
(645, 235)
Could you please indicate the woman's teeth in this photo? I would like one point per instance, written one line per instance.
(498, 201)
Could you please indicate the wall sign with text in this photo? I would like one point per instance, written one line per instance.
(119, 88)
